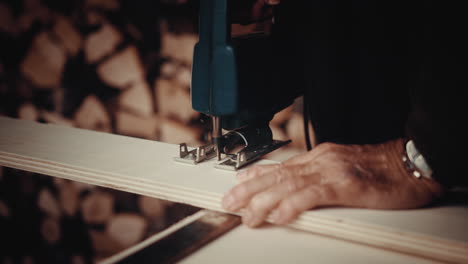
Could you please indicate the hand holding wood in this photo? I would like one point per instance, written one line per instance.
(365, 176)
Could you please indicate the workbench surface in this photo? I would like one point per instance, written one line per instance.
(273, 244)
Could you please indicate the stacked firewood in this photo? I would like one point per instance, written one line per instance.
(60, 221)
(108, 65)
(88, 71)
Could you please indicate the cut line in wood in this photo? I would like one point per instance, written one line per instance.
(147, 168)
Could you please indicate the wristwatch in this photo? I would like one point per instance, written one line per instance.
(415, 162)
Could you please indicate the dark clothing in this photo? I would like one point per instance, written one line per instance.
(376, 71)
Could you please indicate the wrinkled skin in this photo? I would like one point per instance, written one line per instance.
(364, 176)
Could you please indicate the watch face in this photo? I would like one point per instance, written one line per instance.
(417, 160)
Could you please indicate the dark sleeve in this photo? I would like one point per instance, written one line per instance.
(437, 123)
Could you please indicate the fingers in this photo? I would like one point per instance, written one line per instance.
(262, 204)
(260, 178)
(288, 188)
(305, 199)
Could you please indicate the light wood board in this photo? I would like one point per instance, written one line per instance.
(277, 245)
(147, 167)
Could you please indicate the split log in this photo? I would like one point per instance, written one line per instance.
(173, 101)
(44, 62)
(103, 244)
(56, 118)
(133, 125)
(152, 208)
(177, 46)
(28, 111)
(50, 230)
(97, 207)
(101, 43)
(122, 69)
(33, 10)
(48, 204)
(179, 72)
(137, 99)
(126, 229)
(175, 132)
(168, 69)
(93, 115)
(68, 35)
(4, 210)
(69, 198)
(94, 18)
(43, 14)
(184, 77)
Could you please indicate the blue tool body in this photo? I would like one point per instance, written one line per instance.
(214, 76)
(240, 83)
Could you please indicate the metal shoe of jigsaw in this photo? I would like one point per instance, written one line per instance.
(232, 82)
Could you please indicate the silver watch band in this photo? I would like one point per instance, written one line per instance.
(415, 161)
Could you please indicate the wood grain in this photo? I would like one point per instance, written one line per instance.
(147, 167)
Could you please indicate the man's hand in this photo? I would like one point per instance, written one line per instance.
(366, 176)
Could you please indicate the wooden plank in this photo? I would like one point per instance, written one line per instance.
(272, 244)
(147, 167)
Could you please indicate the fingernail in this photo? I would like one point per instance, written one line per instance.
(228, 202)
